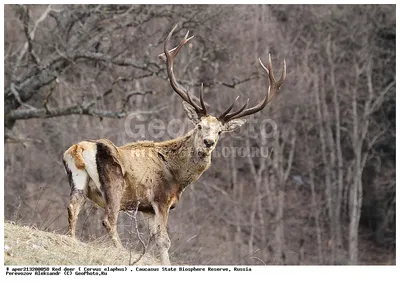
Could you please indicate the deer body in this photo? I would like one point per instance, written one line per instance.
(151, 176)
(145, 175)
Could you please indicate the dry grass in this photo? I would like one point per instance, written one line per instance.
(25, 245)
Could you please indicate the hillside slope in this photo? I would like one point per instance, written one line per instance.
(25, 245)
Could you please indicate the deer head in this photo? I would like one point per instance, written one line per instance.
(208, 128)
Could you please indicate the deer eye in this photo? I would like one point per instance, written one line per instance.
(199, 126)
(219, 132)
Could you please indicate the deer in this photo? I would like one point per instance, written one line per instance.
(149, 176)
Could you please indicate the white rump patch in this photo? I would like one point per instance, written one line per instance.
(79, 177)
(89, 155)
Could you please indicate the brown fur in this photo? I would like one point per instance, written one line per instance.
(76, 152)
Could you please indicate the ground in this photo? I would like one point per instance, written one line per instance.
(25, 245)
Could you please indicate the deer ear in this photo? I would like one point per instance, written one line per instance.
(233, 124)
(191, 112)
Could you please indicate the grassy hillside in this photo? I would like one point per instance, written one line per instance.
(28, 246)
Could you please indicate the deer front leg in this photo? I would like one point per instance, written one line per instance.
(158, 229)
(150, 218)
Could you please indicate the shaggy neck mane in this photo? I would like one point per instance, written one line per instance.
(182, 158)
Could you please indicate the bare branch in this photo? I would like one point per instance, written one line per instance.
(28, 45)
(134, 217)
(136, 93)
(150, 67)
(31, 35)
(81, 109)
(235, 82)
(381, 95)
(18, 97)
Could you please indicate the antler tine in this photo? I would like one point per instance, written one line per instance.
(272, 90)
(174, 51)
(222, 116)
(272, 80)
(228, 116)
(169, 58)
(203, 105)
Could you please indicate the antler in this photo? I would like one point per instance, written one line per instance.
(272, 89)
(169, 58)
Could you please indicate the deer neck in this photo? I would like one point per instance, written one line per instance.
(185, 162)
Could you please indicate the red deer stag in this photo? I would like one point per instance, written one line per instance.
(151, 176)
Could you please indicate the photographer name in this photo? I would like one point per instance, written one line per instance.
(193, 269)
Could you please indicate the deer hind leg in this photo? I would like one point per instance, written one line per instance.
(111, 219)
(78, 180)
(111, 185)
(158, 230)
